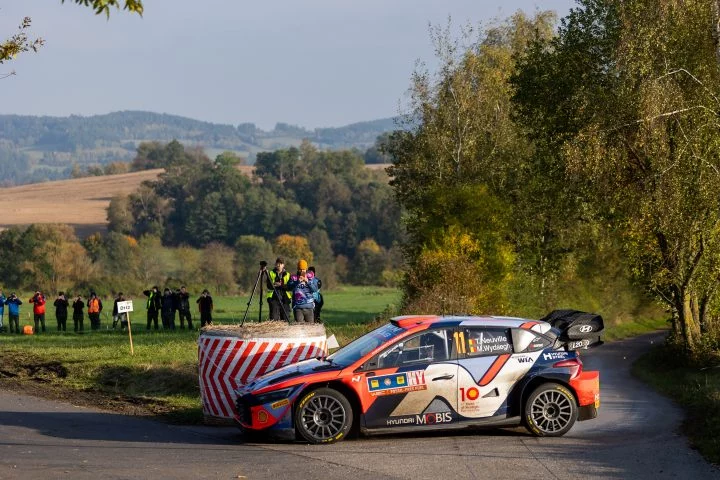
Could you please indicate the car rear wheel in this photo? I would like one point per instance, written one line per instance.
(550, 410)
(323, 416)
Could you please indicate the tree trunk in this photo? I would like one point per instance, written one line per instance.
(716, 28)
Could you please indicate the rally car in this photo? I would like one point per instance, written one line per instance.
(435, 372)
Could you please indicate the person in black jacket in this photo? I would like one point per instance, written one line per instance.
(183, 298)
(168, 305)
(61, 309)
(119, 317)
(205, 305)
(78, 315)
(154, 304)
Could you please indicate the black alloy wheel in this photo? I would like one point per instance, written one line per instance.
(323, 416)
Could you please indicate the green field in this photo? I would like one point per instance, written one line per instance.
(162, 375)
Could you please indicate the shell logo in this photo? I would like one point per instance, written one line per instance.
(472, 393)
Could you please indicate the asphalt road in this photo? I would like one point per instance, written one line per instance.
(636, 436)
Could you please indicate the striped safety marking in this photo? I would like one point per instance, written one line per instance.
(224, 363)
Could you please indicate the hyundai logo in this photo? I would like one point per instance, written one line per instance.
(586, 329)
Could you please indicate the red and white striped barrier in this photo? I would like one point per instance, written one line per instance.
(224, 363)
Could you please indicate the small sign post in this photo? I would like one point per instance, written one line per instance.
(127, 307)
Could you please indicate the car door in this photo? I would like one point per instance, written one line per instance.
(413, 382)
(486, 371)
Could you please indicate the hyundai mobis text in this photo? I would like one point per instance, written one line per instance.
(435, 372)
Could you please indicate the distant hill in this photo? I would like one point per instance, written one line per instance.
(35, 149)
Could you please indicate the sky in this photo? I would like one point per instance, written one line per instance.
(312, 63)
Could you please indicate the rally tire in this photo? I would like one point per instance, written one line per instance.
(323, 416)
(550, 410)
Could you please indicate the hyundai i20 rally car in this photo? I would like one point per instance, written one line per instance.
(435, 372)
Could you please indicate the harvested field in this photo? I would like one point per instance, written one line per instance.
(80, 202)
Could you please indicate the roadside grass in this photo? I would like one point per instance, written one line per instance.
(639, 326)
(696, 390)
(161, 377)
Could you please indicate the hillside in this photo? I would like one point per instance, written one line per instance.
(81, 202)
(34, 149)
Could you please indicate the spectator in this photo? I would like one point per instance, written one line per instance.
(78, 315)
(205, 305)
(317, 296)
(13, 303)
(154, 304)
(119, 317)
(94, 308)
(168, 309)
(61, 308)
(38, 301)
(278, 297)
(183, 298)
(2, 310)
(303, 288)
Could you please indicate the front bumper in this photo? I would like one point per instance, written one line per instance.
(275, 416)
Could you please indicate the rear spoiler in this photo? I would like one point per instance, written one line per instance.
(578, 330)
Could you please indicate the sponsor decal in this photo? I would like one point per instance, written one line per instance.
(397, 383)
(579, 344)
(424, 419)
(356, 379)
(262, 416)
(555, 355)
(597, 400)
(279, 404)
(524, 359)
(586, 329)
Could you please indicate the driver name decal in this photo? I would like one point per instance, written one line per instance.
(397, 383)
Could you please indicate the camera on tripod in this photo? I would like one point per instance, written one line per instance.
(263, 277)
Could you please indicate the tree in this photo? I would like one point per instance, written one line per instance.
(293, 248)
(628, 92)
(229, 159)
(462, 162)
(368, 263)
(217, 267)
(20, 43)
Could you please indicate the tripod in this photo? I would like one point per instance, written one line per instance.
(262, 276)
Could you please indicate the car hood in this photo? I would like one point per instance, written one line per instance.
(289, 372)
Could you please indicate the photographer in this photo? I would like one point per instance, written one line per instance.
(154, 304)
(78, 315)
(205, 305)
(317, 296)
(277, 279)
(61, 309)
(13, 303)
(303, 289)
(38, 301)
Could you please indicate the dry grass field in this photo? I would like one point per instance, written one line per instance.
(81, 202)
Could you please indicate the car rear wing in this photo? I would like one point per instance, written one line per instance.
(577, 330)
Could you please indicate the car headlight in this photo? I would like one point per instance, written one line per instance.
(274, 396)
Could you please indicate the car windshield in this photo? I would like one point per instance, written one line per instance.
(355, 350)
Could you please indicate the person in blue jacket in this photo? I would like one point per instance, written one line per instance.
(2, 310)
(303, 288)
(13, 303)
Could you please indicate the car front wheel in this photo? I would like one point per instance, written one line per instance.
(550, 410)
(323, 416)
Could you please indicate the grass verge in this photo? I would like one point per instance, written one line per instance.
(697, 391)
(96, 369)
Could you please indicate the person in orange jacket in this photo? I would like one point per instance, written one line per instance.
(94, 307)
(38, 301)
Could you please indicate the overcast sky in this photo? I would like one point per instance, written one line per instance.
(312, 63)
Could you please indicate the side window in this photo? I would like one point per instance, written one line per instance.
(427, 347)
(476, 342)
(540, 342)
